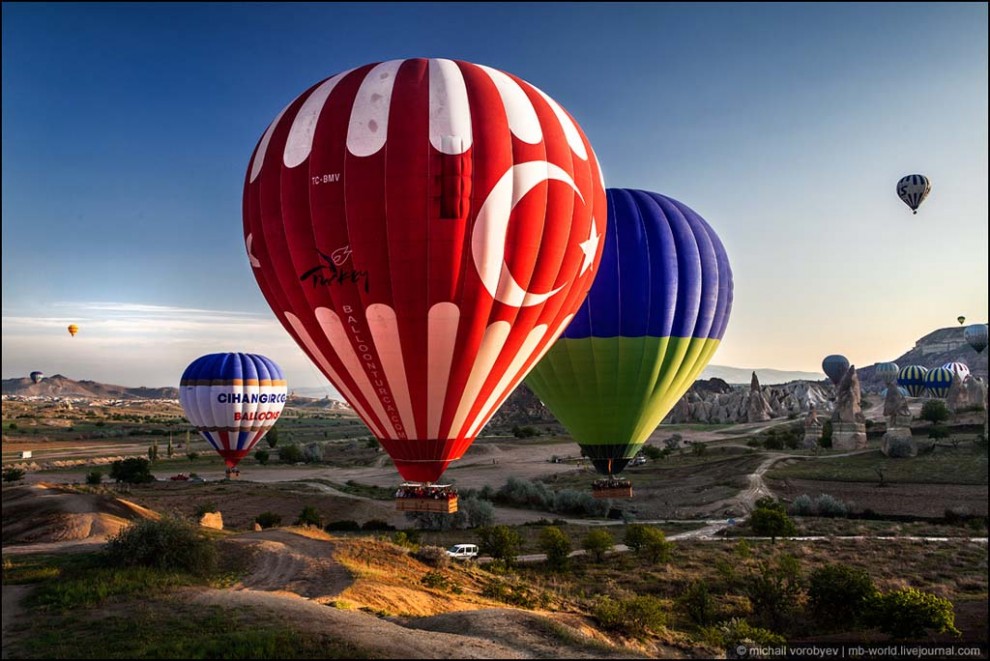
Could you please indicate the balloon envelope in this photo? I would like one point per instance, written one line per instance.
(233, 399)
(913, 189)
(835, 367)
(37, 377)
(887, 372)
(961, 320)
(912, 378)
(652, 320)
(73, 329)
(976, 335)
(938, 381)
(959, 370)
(377, 211)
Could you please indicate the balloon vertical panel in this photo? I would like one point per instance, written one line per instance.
(424, 229)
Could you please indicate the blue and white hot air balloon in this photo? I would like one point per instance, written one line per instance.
(887, 372)
(233, 399)
(938, 381)
(835, 367)
(912, 379)
(959, 370)
(913, 189)
(976, 335)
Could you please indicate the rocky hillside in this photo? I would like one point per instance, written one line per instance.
(63, 386)
(704, 404)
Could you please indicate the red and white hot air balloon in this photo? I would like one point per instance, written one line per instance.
(424, 229)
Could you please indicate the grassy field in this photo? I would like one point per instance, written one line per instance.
(946, 465)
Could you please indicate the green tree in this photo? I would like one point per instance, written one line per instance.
(290, 454)
(773, 587)
(170, 450)
(501, 542)
(840, 593)
(557, 547)
(268, 519)
(309, 517)
(153, 451)
(648, 542)
(697, 603)
(94, 477)
(771, 522)
(272, 437)
(13, 474)
(168, 543)
(134, 470)
(909, 613)
(653, 453)
(934, 411)
(261, 455)
(598, 542)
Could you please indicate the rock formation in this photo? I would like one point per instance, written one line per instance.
(895, 408)
(848, 421)
(758, 409)
(212, 520)
(812, 430)
(957, 397)
(897, 441)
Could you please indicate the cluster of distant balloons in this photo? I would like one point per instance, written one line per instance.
(471, 245)
(915, 380)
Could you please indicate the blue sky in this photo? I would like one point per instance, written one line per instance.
(127, 130)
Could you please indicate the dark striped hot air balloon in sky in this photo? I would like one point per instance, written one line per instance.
(37, 377)
(424, 229)
(232, 399)
(913, 189)
(938, 381)
(887, 372)
(835, 367)
(912, 378)
(976, 335)
(654, 316)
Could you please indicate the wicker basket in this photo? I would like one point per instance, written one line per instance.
(442, 505)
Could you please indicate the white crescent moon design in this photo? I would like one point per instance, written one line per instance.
(247, 244)
(492, 225)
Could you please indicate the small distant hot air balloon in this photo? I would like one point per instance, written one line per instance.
(912, 378)
(73, 329)
(976, 335)
(887, 372)
(37, 377)
(913, 189)
(960, 370)
(835, 367)
(938, 381)
(961, 320)
(654, 316)
(232, 399)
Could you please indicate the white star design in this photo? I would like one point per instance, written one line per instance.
(590, 247)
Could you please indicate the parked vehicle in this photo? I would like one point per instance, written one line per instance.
(463, 551)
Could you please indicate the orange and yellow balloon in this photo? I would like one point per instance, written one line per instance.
(73, 329)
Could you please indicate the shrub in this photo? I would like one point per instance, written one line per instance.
(697, 603)
(205, 508)
(938, 432)
(435, 579)
(343, 526)
(376, 525)
(135, 470)
(193, 456)
(13, 474)
(773, 442)
(699, 449)
(556, 545)
(501, 542)
(653, 453)
(909, 613)
(525, 432)
(934, 411)
(272, 437)
(802, 506)
(310, 517)
(262, 456)
(94, 477)
(433, 556)
(291, 454)
(648, 542)
(268, 519)
(830, 506)
(740, 633)
(826, 439)
(840, 593)
(773, 587)
(634, 617)
(598, 542)
(773, 523)
(168, 544)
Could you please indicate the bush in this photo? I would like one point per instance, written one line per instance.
(377, 525)
(840, 593)
(653, 453)
(525, 432)
(192, 456)
(774, 587)
(648, 542)
(802, 506)
(634, 617)
(291, 454)
(826, 439)
(556, 545)
(343, 526)
(205, 508)
(598, 542)
(272, 437)
(934, 411)
(262, 456)
(94, 477)
(435, 579)
(13, 474)
(268, 519)
(699, 449)
(938, 432)
(168, 544)
(830, 506)
(909, 613)
(310, 517)
(697, 603)
(771, 522)
(740, 633)
(135, 470)
(433, 556)
(500, 542)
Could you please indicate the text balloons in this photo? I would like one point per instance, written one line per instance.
(424, 229)
(233, 399)
(913, 189)
(835, 367)
(652, 320)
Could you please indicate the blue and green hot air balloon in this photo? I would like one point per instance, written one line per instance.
(938, 381)
(835, 367)
(912, 379)
(651, 322)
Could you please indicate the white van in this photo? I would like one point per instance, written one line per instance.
(463, 551)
